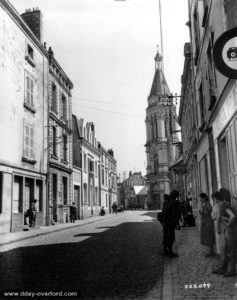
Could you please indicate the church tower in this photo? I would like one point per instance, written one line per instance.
(159, 140)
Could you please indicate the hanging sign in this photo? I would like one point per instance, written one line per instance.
(225, 53)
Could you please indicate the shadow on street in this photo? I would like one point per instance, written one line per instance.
(121, 261)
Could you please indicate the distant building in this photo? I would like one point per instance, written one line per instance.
(23, 119)
(108, 178)
(128, 192)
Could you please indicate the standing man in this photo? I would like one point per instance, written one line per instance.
(170, 221)
(32, 213)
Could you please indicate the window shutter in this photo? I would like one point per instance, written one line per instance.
(26, 141)
(27, 90)
(32, 92)
(31, 145)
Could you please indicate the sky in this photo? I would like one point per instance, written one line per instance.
(107, 49)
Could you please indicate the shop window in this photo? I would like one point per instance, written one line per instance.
(39, 195)
(17, 205)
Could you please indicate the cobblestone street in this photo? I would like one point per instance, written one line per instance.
(120, 257)
(189, 275)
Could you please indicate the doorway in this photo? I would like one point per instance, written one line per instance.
(77, 199)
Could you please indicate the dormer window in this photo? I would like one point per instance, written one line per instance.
(30, 52)
(30, 55)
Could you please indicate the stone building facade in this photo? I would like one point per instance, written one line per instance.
(129, 190)
(160, 151)
(60, 143)
(108, 178)
(211, 99)
(23, 120)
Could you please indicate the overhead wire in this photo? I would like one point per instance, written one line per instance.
(107, 102)
(109, 111)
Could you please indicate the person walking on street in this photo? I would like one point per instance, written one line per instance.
(32, 213)
(227, 220)
(207, 224)
(73, 212)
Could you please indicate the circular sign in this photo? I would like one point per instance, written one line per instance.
(225, 53)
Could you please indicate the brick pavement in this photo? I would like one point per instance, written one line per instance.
(191, 267)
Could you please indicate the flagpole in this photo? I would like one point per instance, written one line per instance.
(161, 35)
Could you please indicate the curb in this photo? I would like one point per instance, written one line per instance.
(167, 290)
(52, 231)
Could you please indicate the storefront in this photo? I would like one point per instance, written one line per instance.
(18, 189)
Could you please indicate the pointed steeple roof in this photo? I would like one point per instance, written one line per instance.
(159, 85)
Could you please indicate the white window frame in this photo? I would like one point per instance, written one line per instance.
(28, 142)
(29, 89)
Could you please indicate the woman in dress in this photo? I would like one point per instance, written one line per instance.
(207, 224)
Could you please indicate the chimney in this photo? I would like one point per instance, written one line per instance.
(33, 19)
(111, 152)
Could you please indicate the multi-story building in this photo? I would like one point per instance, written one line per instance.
(77, 128)
(60, 142)
(87, 159)
(189, 129)
(108, 178)
(129, 189)
(23, 117)
(160, 122)
(211, 101)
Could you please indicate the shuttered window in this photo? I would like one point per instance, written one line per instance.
(29, 90)
(29, 141)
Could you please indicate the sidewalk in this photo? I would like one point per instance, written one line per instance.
(12, 237)
(190, 275)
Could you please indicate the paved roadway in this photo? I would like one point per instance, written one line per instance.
(118, 258)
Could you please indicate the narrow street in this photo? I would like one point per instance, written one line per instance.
(118, 258)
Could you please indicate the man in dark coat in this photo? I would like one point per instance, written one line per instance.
(170, 221)
(73, 213)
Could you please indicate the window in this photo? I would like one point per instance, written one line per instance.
(196, 35)
(54, 141)
(84, 161)
(30, 55)
(64, 192)
(54, 98)
(30, 51)
(64, 107)
(64, 147)
(17, 205)
(96, 168)
(85, 192)
(91, 165)
(201, 108)
(29, 142)
(211, 77)
(103, 176)
(29, 90)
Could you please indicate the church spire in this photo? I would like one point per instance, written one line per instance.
(158, 60)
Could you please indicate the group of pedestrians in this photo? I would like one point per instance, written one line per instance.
(218, 223)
